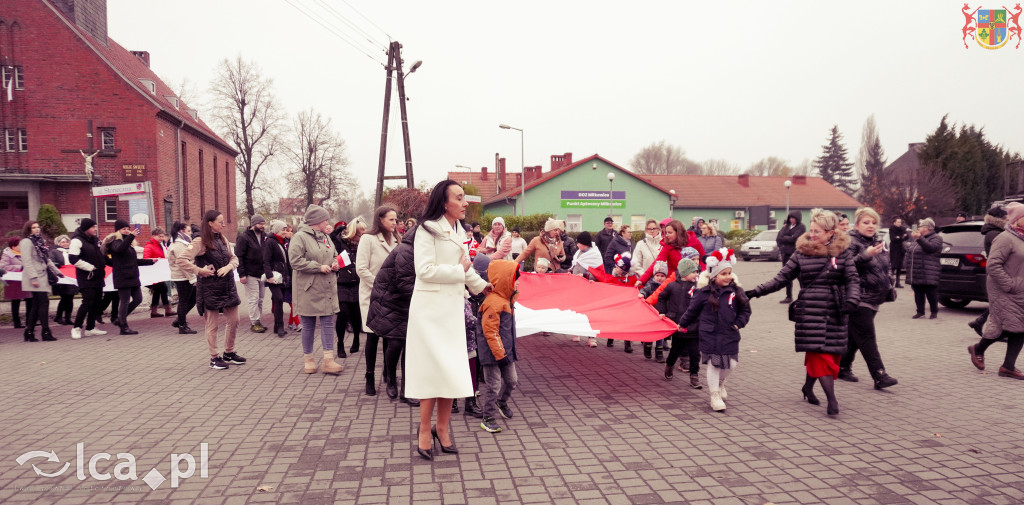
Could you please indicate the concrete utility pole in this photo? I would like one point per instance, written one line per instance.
(394, 66)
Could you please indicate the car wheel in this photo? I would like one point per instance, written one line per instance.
(746, 258)
(954, 303)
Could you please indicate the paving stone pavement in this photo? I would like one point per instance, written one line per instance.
(591, 426)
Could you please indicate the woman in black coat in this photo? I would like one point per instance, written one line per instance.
(388, 315)
(897, 247)
(275, 263)
(924, 266)
(786, 240)
(829, 290)
(346, 241)
(875, 284)
(125, 262)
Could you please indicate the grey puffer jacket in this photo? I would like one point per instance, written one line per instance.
(821, 325)
(1005, 286)
(923, 265)
(875, 280)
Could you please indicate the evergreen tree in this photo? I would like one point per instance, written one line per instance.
(974, 167)
(833, 164)
(874, 165)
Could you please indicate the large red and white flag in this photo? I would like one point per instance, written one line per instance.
(148, 275)
(570, 304)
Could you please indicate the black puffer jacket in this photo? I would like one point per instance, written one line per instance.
(215, 292)
(121, 256)
(570, 248)
(617, 245)
(875, 280)
(993, 226)
(249, 249)
(674, 300)
(388, 315)
(821, 325)
(897, 245)
(923, 265)
(88, 249)
(275, 259)
(348, 279)
(717, 334)
(786, 239)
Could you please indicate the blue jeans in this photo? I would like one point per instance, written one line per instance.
(326, 332)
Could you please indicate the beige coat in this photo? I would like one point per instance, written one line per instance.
(436, 337)
(34, 268)
(314, 293)
(173, 253)
(370, 255)
(1005, 286)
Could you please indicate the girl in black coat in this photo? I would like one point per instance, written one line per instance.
(720, 308)
(673, 302)
(875, 284)
(829, 290)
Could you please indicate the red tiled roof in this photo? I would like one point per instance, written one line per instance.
(555, 173)
(713, 191)
(488, 186)
(132, 69)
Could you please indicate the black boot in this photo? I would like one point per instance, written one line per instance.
(341, 347)
(455, 406)
(125, 330)
(391, 388)
(883, 380)
(472, 409)
(47, 336)
(829, 385)
(185, 330)
(30, 335)
(628, 347)
(659, 355)
(371, 389)
(647, 350)
(611, 342)
(845, 374)
(401, 396)
(355, 343)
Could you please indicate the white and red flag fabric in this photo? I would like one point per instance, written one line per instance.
(344, 260)
(570, 304)
(148, 275)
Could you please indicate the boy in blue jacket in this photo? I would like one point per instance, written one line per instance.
(496, 343)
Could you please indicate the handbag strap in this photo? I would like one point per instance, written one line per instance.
(821, 274)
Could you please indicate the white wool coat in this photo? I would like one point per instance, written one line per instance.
(435, 345)
(370, 255)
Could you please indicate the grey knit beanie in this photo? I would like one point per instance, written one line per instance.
(315, 214)
(276, 226)
(256, 219)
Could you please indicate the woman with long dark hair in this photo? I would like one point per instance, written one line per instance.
(212, 259)
(829, 291)
(436, 337)
(35, 274)
(184, 282)
(373, 248)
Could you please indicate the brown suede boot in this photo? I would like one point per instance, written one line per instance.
(168, 311)
(154, 311)
(331, 366)
(309, 365)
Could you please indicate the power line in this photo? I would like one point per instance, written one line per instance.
(368, 19)
(344, 19)
(336, 34)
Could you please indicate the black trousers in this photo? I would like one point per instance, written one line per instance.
(39, 311)
(186, 300)
(789, 285)
(683, 345)
(91, 308)
(160, 295)
(1014, 343)
(110, 298)
(862, 338)
(65, 306)
(394, 353)
(929, 292)
(348, 313)
(371, 352)
(276, 305)
(16, 310)
(125, 307)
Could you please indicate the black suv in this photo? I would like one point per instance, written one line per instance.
(962, 278)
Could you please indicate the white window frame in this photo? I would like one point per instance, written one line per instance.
(104, 132)
(110, 206)
(10, 140)
(637, 222)
(574, 223)
(5, 74)
(19, 78)
(616, 221)
(22, 140)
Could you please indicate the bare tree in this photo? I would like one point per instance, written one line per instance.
(187, 91)
(770, 166)
(718, 167)
(868, 137)
(318, 167)
(915, 194)
(661, 158)
(246, 112)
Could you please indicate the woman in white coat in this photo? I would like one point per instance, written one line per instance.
(436, 370)
(374, 247)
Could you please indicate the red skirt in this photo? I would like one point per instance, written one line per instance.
(821, 364)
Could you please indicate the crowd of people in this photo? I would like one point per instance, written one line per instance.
(443, 292)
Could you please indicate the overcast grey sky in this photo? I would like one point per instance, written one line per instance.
(738, 80)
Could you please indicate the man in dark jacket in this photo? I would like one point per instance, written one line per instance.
(786, 241)
(616, 246)
(125, 262)
(897, 249)
(90, 268)
(605, 236)
(249, 250)
(570, 248)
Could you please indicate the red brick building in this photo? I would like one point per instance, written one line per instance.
(68, 92)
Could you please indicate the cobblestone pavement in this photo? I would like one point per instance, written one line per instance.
(590, 425)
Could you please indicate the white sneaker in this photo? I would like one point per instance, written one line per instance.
(91, 333)
(716, 401)
(76, 333)
(592, 342)
(721, 391)
(575, 338)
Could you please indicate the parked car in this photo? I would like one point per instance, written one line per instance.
(762, 246)
(963, 260)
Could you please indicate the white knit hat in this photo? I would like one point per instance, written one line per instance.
(719, 260)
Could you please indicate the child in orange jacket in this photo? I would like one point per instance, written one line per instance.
(496, 343)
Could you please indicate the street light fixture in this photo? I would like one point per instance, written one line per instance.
(788, 183)
(522, 166)
(672, 203)
(611, 185)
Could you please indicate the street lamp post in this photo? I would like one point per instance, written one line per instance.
(522, 166)
(611, 185)
(672, 203)
(788, 183)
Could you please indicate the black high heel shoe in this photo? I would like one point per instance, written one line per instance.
(809, 395)
(832, 410)
(427, 454)
(450, 449)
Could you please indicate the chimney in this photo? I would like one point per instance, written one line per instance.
(560, 161)
(744, 180)
(89, 15)
(483, 173)
(800, 179)
(142, 55)
(533, 173)
(502, 183)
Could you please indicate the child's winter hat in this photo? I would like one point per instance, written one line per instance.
(623, 260)
(689, 252)
(584, 238)
(718, 261)
(686, 267)
(542, 262)
(661, 267)
(480, 264)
